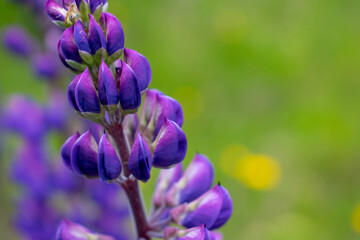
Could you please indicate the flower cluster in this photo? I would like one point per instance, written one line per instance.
(49, 191)
(108, 89)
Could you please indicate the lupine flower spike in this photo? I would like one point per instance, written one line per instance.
(108, 90)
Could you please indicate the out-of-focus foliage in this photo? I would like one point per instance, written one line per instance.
(280, 78)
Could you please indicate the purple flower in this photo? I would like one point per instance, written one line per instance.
(130, 97)
(108, 90)
(140, 159)
(68, 50)
(170, 145)
(109, 162)
(84, 156)
(71, 93)
(166, 178)
(18, 41)
(82, 43)
(96, 38)
(198, 233)
(204, 210)
(114, 35)
(66, 149)
(196, 180)
(140, 65)
(56, 13)
(85, 94)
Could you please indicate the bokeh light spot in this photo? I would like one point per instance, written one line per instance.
(259, 172)
(191, 100)
(229, 157)
(355, 219)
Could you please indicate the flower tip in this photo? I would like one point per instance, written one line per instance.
(109, 163)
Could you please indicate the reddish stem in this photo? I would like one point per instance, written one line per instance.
(130, 186)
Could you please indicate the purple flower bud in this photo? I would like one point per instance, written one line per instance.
(69, 50)
(18, 41)
(45, 65)
(170, 145)
(94, 4)
(114, 34)
(130, 97)
(109, 163)
(82, 42)
(66, 149)
(84, 156)
(166, 179)
(96, 37)
(71, 93)
(149, 107)
(130, 125)
(63, 60)
(108, 91)
(140, 159)
(72, 231)
(203, 210)
(188, 188)
(85, 94)
(140, 65)
(168, 108)
(56, 13)
(198, 233)
(226, 210)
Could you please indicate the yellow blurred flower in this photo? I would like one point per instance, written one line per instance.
(191, 100)
(259, 172)
(355, 219)
(230, 156)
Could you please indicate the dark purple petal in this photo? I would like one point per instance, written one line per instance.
(71, 93)
(108, 91)
(170, 145)
(55, 11)
(203, 210)
(18, 41)
(81, 40)
(130, 97)
(94, 4)
(96, 36)
(226, 210)
(196, 180)
(66, 149)
(68, 48)
(166, 178)
(140, 159)
(85, 94)
(109, 162)
(113, 31)
(63, 60)
(140, 65)
(84, 156)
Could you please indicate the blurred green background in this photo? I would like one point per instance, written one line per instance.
(280, 78)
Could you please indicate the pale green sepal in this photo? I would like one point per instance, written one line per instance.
(115, 56)
(77, 66)
(97, 13)
(86, 57)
